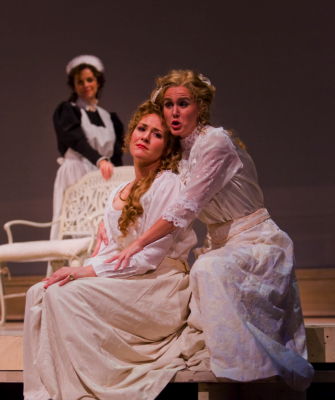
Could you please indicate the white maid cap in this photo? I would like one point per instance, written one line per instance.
(85, 59)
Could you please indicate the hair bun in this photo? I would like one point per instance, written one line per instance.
(204, 79)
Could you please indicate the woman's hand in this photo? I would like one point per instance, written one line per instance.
(106, 169)
(67, 274)
(157, 231)
(123, 257)
(101, 237)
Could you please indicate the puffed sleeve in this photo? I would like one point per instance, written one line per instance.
(119, 132)
(215, 164)
(165, 189)
(67, 123)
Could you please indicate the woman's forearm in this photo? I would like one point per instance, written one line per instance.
(158, 230)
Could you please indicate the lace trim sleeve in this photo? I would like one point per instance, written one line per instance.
(171, 214)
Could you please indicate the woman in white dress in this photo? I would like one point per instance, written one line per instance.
(88, 136)
(93, 332)
(245, 296)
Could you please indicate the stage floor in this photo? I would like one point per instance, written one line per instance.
(320, 342)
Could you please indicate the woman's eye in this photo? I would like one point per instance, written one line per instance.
(158, 135)
(90, 80)
(141, 128)
(183, 103)
(168, 104)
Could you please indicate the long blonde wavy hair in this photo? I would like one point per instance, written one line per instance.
(169, 161)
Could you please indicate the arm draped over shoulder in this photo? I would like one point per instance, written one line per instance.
(165, 189)
(214, 164)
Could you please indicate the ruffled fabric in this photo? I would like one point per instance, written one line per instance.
(172, 214)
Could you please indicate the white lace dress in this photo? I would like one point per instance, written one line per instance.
(245, 295)
(116, 336)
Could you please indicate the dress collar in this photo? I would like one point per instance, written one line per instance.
(88, 107)
(188, 141)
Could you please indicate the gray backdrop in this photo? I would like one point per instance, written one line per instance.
(273, 66)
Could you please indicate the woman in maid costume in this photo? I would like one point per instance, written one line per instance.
(88, 136)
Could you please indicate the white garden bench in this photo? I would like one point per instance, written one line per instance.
(82, 209)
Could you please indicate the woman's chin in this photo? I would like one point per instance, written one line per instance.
(88, 98)
(176, 131)
(179, 132)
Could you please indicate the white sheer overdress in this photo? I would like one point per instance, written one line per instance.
(116, 336)
(244, 292)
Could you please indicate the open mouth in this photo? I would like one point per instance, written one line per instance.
(175, 124)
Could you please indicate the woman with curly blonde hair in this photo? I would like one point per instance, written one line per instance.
(101, 333)
(245, 298)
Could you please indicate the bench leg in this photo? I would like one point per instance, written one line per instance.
(248, 391)
(2, 295)
(218, 391)
(269, 390)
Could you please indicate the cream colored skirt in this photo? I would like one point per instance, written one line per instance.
(245, 299)
(106, 338)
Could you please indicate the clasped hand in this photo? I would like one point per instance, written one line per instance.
(106, 169)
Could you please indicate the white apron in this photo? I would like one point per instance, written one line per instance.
(73, 165)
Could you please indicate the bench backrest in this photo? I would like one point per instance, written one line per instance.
(86, 199)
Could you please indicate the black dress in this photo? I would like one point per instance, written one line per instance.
(67, 120)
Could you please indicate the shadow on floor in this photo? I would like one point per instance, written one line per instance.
(176, 391)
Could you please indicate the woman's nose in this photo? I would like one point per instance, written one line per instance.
(145, 136)
(175, 111)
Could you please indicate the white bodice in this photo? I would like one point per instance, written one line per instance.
(164, 190)
(220, 180)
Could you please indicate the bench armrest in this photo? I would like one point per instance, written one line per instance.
(7, 226)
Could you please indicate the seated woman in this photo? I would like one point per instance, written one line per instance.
(244, 292)
(100, 333)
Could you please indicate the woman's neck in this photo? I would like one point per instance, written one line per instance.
(188, 141)
(88, 104)
(142, 169)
